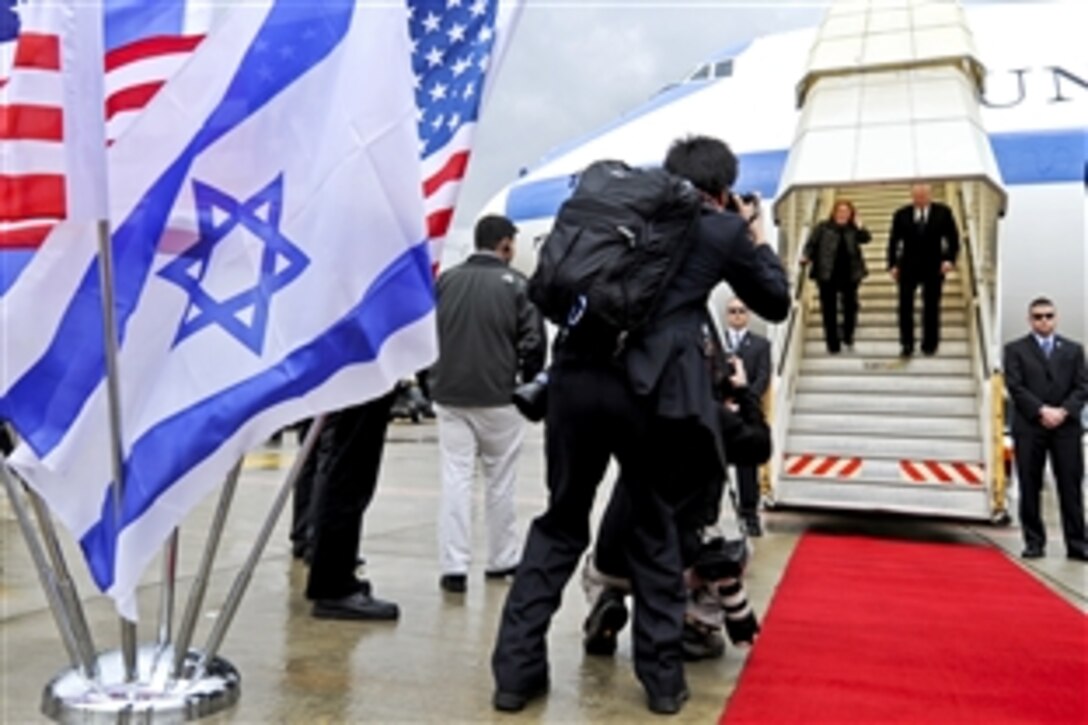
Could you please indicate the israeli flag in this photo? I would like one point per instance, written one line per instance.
(271, 264)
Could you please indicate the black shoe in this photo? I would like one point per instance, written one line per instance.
(668, 704)
(454, 583)
(511, 701)
(1077, 554)
(929, 351)
(359, 605)
(604, 623)
(701, 642)
(752, 525)
(501, 573)
(301, 550)
(906, 351)
(1032, 551)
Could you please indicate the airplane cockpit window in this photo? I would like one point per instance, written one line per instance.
(710, 71)
(701, 74)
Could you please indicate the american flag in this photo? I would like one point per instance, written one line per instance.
(455, 44)
(32, 175)
(147, 41)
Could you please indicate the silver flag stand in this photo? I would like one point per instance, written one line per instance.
(173, 683)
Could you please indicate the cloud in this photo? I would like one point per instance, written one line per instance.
(573, 67)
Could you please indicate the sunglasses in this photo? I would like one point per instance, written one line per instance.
(737, 310)
(1042, 315)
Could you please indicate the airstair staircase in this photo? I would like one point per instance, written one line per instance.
(866, 429)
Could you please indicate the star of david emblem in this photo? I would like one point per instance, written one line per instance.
(237, 239)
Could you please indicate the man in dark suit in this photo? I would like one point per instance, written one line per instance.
(922, 249)
(1046, 378)
(755, 352)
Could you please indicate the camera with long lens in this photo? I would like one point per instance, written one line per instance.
(531, 398)
(748, 197)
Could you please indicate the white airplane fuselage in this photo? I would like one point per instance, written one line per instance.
(1034, 109)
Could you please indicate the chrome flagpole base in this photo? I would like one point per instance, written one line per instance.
(154, 698)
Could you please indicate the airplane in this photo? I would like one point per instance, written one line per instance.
(1034, 109)
(949, 459)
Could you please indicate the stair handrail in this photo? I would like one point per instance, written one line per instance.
(788, 339)
(968, 212)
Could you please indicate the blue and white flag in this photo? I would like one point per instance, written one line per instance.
(271, 263)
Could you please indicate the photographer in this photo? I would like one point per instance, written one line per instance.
(652, 408)
(834, 251)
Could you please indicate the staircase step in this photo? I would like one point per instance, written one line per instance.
(873, 425)
(917, 365)
(814, 330)
(892, 303)
(880, 402)
(871, 290)
(892, 448)
(846, 386)
(869, 316)
(865, 348)
(954, 500)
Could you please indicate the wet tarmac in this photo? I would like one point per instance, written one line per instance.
(433, 664)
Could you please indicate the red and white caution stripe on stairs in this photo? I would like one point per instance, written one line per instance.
(822, 466)
(812, 465)
(941, 472)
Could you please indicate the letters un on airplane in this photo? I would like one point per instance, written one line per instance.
(1033, 108)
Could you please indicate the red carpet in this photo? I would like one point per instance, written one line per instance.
(868, 630)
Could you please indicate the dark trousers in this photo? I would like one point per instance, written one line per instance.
(931, 310)
(692, 489)
(349, 460)
(1067, 461)
(592, 416)
(301, 516)
(748, 489)
(830, 292)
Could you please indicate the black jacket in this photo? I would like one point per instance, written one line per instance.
(1034, 381)
(755, 353)
(822, 248)
(489, 333)
(671, 360)
(918, 251)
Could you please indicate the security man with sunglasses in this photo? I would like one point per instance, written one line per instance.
(1046, 378)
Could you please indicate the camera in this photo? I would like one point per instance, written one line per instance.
(748, 197)
(531, 398)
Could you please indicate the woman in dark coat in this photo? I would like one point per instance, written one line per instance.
(834, 252)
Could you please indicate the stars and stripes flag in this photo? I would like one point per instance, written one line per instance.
(52, 163)
(456, 48)
(52, 172)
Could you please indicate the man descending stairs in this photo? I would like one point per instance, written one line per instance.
(870, 417)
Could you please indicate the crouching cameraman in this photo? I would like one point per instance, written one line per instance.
(714, 564)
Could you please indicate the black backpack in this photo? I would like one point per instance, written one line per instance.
(615, 244)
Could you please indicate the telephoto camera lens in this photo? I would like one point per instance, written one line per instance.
(531, 398)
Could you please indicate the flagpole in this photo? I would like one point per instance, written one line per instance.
(241, 582)
(66, 586)
(200, 584)
(166, 593)
(113, 390)
(48, 579)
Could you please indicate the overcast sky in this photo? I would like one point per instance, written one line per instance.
(575, 65)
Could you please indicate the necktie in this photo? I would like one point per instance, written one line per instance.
(1048, 346)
